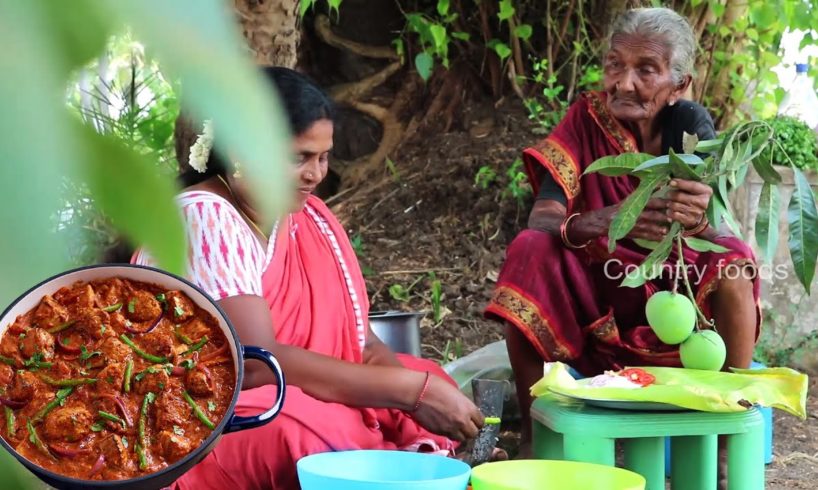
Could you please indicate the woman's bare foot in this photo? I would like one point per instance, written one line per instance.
(497, 454)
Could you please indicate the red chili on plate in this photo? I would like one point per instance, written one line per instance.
(638, 376)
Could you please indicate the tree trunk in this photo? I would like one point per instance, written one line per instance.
(272, 30)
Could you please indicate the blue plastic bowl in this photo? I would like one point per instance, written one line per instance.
(382, 470)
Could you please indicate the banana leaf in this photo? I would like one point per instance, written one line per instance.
(708, 391)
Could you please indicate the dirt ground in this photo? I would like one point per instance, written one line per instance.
(427, 220)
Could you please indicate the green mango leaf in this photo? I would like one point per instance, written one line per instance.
(741, 175)
(713, 213)
(767, 220)
(631, 208)
(729, 219)
(616, 165)
(424, 64)
(653, 162)
(651, 268)
(701, 245)
(766, 170)
(139, 201)
(722, 189)
(718, 212)
(802, 217)
(679, 168)
(647, 244)
(708, 146)
(463, 36)
(198, 42)
(524, 31)
(664, 161)
(689, 142)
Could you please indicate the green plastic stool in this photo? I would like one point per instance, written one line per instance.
(571, 430)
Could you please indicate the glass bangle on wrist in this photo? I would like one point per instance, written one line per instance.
(564, 233)
(703, 224)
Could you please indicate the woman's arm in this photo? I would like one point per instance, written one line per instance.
(377, 353)
(548, 215)
(443, 410)
(320, 376)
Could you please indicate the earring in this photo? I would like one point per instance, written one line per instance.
(672, 102)
(237, 172)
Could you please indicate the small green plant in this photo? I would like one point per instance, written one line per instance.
(517, 186)
(357, 242)
(548, 106)
(434, 36)
(306, 5)
(435, 295)
(392, 169)
(453, 351)
(400, 293)
(484, 177)
(797, 141)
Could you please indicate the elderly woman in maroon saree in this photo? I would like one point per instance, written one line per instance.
(559, 290)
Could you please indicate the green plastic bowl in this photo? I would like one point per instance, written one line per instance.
(553, 475)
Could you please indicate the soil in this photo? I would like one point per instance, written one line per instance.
(426, 220)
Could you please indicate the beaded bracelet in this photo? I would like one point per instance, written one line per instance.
(564, 233)
(422, 392)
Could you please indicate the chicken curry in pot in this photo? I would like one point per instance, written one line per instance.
(113, 379)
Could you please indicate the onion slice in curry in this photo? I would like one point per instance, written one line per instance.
(211, 355)
(149, 329)
(12, 404)
(67, 452)
(97, 466)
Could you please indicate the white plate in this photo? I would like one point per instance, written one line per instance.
(632, 405)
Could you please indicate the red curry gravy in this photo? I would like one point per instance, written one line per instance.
(112, 379)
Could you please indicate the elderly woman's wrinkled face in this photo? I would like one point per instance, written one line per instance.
(638, 78)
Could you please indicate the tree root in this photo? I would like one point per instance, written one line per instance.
(353, 94)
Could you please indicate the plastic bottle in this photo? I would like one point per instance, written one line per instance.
(800, 101)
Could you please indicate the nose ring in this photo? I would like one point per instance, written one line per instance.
(308, 174)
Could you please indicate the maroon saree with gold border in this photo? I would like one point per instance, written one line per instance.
(568, 303)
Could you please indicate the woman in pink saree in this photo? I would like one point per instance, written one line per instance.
(294, 287)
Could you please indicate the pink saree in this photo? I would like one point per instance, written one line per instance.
(318, 301)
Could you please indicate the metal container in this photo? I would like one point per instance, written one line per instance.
(399, 330)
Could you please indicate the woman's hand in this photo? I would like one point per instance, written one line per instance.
(654, 222)
(688, 202)
(446, 411)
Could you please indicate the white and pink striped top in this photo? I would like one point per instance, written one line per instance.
(224, 256)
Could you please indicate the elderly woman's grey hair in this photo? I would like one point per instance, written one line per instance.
(666, 26)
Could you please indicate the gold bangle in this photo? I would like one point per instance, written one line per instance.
(564, 233)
